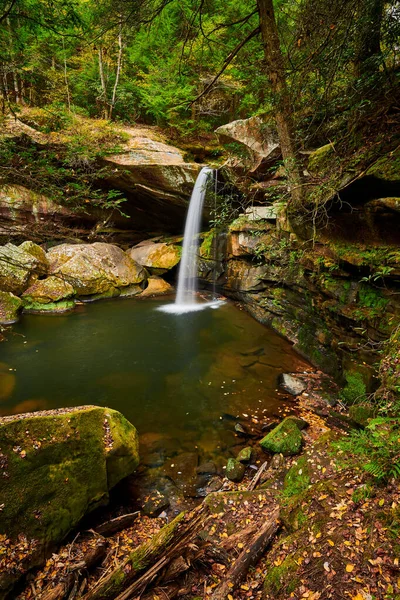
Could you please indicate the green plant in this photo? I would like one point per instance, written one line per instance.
(354, 390)
(377, 448)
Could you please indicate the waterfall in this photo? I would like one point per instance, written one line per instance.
(186, 297)
(187, 278)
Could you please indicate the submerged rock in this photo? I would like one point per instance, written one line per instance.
(56, 466)
(292, 384)
(235, 470)
(285, 439)
(10, 305)
(94, 268)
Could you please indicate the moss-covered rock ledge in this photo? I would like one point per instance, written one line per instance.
(55, 466)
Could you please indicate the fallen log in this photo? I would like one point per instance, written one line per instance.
(249, 557)
(71, 583)
(145, 562)
(116, 525)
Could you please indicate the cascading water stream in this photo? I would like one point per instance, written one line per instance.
(186, 297)
(187, 278)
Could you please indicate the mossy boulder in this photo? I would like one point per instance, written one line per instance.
(284, 439)
(50, 307)
(159, 256)
(235, 470)
(245, 455)
(56, 466)
(10, 306)
(94, 268)
(20, 266)
(319, 160)
(51, 289)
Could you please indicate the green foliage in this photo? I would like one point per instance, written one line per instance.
(377, 448)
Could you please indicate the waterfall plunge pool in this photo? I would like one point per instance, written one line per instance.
(182, 380)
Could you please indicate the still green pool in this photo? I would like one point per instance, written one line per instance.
(186, 375)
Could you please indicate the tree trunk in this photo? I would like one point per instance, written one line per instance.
(119, 63)
(369, 37)
(283, 113)
(104, 100)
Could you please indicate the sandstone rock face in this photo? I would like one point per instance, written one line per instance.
(20, 266)
(258, 137)
(94, 268)
(9, 308)
(156, 287)
(158, 256)
(56, 466)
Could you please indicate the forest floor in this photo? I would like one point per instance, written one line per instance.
(335, 534)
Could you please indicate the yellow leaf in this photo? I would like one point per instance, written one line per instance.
(244, 587)
(240, 545)
(318, 535)
(349, 568)
(230, 597)
(331, 543)
(381, 502)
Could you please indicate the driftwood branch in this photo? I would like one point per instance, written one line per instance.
(71, 584)
(115, 525)
(145, 562)
(254, 482)
(249, 557)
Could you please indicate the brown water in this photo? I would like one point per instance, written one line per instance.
(182, 378)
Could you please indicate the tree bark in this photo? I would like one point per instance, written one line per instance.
(284, 113)
(103, 83)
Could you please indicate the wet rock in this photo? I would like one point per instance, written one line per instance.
(258, 351)
(244, 455)
(182, 471)
(159, 256)
(269, 424)
(285, 439)
(156, 286)
(277, 462)
(301, 423)
(131, 290)
(235, 470)
(214, 485)
(155, 504)
(10, 306)
(94, 268)
(240, 430)
(291, 384)
(206, 468)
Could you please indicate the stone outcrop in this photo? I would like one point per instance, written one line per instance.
(20, 266)
(257, 137)
(94, 268)
(157, 257)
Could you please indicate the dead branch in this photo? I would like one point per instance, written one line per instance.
(115, 525)
(249, 557)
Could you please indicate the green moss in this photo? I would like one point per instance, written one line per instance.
(284, 439)
(355, 388)
(387, 167)
(320, 159)
(10, 306)
(297, 479)
(55, 468)
(52, 307)
(361, 413)
(207, 246)
(281, 578)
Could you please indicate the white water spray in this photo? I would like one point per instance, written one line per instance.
(186, 297)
